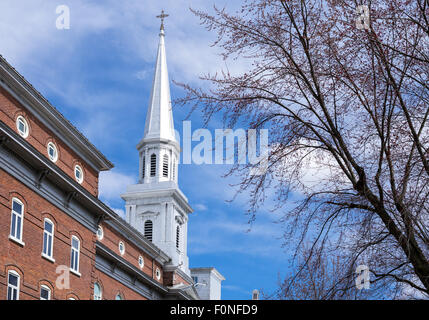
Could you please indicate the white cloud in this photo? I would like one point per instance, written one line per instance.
(113, 184)
(200, 207)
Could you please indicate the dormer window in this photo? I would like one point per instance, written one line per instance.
(52, 152)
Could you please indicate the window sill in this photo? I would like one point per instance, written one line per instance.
(21, 243)
(50, 259)
(77, 273)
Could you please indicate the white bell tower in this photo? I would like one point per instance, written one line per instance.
(155, 206)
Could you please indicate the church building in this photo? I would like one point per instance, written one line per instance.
(59, 240)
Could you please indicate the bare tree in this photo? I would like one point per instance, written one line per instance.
(348, 99)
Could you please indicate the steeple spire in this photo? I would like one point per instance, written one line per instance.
(159, 119)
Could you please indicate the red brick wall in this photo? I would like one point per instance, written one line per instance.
(40, 136)
(27, 261)
(110, 288)
(111, 240)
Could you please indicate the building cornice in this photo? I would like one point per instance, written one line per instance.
(32, 156)
(21, 90)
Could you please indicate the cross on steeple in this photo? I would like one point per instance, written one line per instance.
(162, 16)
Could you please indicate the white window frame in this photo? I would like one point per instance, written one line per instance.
(79, 168)
(18, 215)
(122, 252)
(141, 262)
(55, 158)
(100, 237)
(76, 254)
(13, 287)
(100, 296)
(43, 287)
(19, 120)
(47, 235)
(158, 274)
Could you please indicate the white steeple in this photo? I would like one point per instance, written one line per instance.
(159, 119)
(155, 206)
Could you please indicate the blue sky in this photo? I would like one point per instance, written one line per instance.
(99, 74)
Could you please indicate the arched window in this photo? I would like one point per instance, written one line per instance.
(13, 285)
(45, 293)
(153, 165)
(74, 256)
(148, 229)
(144, 167)
(97, 291)
(48, 239)
(118, 296)
(178, 237)
(165, 166)
(17, 220)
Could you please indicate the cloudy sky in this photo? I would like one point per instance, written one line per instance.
(99, 73)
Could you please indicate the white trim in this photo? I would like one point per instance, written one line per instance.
(12, 238)
(122, 252)
(102, 233)
(79, 168)
(21, 216)
(55, 158)
(75, 271)
(17, 287)
(141, 265)
(158, 274)
(44, 254)
(27, 128)
(47, 289)
(100, 296)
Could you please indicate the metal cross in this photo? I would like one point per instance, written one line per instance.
(162, 16)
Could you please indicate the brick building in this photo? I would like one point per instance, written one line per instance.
(58, 240)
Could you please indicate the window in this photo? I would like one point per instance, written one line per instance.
(121, 248)
(52, 152)
(78, 173)
(118, 297)
(153, 165)
(178, 237)
(195, 279)
(22, 126)
(148, 226)
(141, 262)
(12, 285)
(165, 166)
(16, 220)
(158, 274)
(48, 239)
(144, 167)
(74, 259)
(45, 293)
(97, 292)
(100, 233)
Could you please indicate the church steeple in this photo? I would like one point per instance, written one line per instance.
(159, 119)
(156, 206)
(159, 149)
